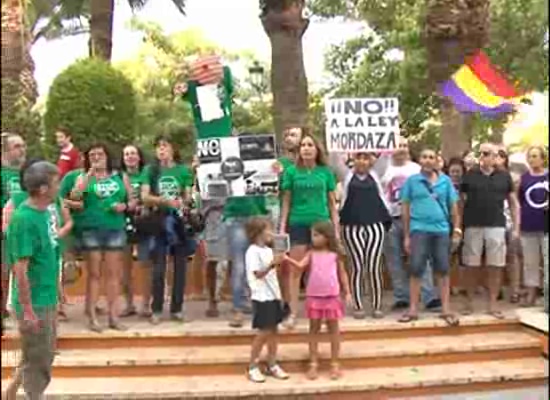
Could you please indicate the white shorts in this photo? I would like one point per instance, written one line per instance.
(490, 239)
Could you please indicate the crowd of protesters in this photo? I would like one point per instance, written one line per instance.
(419, 220)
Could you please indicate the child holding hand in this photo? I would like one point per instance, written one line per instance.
(327, 280)
(266, 298)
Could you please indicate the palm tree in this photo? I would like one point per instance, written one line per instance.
(13, 44)
(454, 29)
(101, 24)
(285, 24)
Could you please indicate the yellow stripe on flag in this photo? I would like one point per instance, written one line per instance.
(475, 89)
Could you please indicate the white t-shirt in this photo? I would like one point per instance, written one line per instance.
(267, 288)
(392, 182)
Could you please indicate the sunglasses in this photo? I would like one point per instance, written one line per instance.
(427, 157)
(486, 153)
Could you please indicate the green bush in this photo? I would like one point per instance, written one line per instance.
(95, 102)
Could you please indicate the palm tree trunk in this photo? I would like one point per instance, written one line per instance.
(101, 28)
(12, 58)
(453, 30)
(285, 25)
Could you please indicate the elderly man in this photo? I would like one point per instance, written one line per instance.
(33, 258)
(14, 153)
(484, 190)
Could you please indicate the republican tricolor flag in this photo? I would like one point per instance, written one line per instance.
(478, 87)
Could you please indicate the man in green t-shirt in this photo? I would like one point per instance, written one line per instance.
(33, 258)
(14, 151)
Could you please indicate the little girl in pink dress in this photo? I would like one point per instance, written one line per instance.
(327, 281)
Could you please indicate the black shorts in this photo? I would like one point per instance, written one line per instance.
(266, 315)
(299, 235)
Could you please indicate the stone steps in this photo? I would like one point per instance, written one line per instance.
(216, 360)
(370, 383)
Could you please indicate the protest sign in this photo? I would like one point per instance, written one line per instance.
(237, 166)
(370, 124)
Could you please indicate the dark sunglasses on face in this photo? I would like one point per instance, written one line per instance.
(427, 157)
(486, 153)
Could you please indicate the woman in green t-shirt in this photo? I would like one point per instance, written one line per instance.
(167, 187)
(308, 196)
(133, 164)
(106, 196)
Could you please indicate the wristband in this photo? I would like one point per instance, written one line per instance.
(458, 230)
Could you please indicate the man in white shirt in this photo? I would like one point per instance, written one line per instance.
(400, 169)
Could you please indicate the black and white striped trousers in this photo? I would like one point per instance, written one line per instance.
(364, 246)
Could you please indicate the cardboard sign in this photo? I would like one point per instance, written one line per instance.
(361, 125)
(244, 165)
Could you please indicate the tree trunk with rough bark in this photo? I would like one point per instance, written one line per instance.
(13, 46)
(101, 28)
(454, 29)
(284, 24)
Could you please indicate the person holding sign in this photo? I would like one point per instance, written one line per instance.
(308, 197)
(365, 218)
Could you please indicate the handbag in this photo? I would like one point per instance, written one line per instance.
(151, 221)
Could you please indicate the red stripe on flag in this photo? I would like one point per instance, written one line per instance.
(496, 82)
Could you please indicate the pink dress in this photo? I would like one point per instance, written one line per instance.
(323, 299)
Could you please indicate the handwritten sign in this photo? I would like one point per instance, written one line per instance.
(357, 125)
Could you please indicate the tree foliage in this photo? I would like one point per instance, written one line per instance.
(94, 101)
(363, 67)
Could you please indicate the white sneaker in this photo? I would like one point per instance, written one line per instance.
(277, 372)
(255, 375)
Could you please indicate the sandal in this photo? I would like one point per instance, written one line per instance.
(515, 298)
(94, 326)
(145, 314)
(497, 314)
(117, 326)
(335, 372)
(313, 372)
(129, 312)
(450, 319)
(406, 318)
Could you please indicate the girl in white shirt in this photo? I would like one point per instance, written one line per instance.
(266, 298)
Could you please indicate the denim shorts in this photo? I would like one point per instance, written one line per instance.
(96, 239)
(434, 247)
(300, 235)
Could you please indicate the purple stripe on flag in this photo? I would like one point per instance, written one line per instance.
(465, 104)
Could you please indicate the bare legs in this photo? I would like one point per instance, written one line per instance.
(114, 261)
(211, 280)
(127, 283)
(93, 283)
(294, 276)
(334, 332)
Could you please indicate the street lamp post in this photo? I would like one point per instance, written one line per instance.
(257, 77)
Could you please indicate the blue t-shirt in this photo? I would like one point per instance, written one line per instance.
(426, 214)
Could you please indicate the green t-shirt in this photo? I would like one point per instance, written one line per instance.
(245, 206)
(309, 189)
(10, 183)
(32, 235)
(65, 189)
(172, 181)
(221, 127)
(99, 199)
(55, 209)
(136, 179)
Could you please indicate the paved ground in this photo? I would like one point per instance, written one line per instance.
(519, 394)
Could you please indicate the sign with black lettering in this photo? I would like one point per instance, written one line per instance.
(240, 165)
(357, 125)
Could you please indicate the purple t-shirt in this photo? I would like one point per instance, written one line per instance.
(533, 199)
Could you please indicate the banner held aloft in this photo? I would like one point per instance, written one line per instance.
(369, 124)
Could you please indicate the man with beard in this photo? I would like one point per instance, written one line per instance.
(14, 151)
(69, 157)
